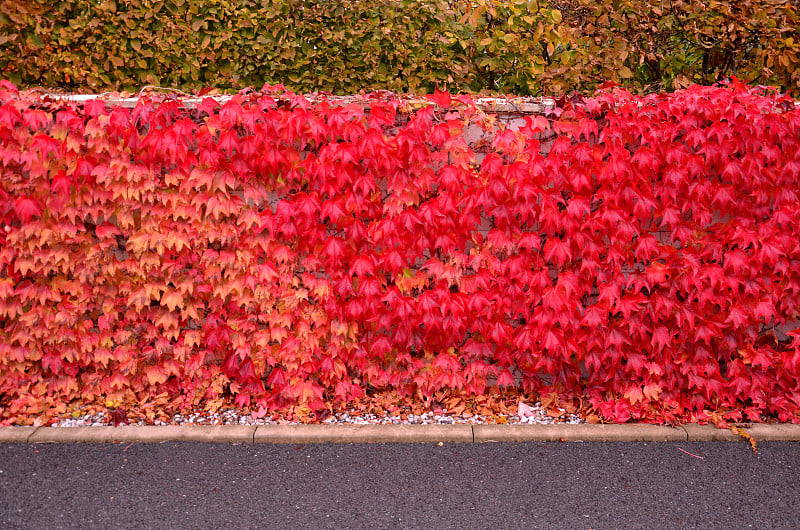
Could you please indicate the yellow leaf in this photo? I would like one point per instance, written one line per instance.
(509, 38)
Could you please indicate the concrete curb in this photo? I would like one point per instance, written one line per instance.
(578, 433)
(709, 433)
(349, 433)
(144, 434)
(363, 433)
(16, 434)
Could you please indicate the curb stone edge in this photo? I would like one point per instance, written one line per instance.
(396, 433)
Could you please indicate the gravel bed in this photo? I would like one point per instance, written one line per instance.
(534, 414)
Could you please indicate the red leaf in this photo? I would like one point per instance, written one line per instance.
(36, 119)
(61, 183)
(247, 371)
(231, 365)
(505, 379)
(9, 116)
(362, 266)
(52, 361)
(208, 105)
(557, 251)
(530, 242)
(441, 98)
(8, 86)
(382, 114)
(492, 166)
(661, 337)
(27, 208)
(553, 343)
(94, 107)
(333, 251)
(118, 416)
(107, 230)
(764, 309)
(276, 379)
(536, 124)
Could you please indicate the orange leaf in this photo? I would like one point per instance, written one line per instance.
(139, 299)
(155, 374)
(167, 320)
(652, 391)
(634, 394)
(172, 300)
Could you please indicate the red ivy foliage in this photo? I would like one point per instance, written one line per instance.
(639, 253)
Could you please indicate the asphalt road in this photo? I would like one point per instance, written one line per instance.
(501, 485)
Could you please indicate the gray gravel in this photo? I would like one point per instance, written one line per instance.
(532, 414)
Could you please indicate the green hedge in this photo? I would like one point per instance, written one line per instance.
(513, 46)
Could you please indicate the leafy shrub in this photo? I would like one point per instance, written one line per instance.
(655, 44)
(511, 46)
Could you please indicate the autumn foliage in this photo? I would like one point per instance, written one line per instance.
(639, 253)
(511, 46)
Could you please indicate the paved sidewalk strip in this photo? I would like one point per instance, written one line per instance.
(403, 433)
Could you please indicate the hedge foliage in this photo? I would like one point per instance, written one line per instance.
(513, 46)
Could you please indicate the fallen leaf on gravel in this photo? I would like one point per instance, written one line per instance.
(593, 419)
(524, 411)
(260, 413)
(457, 410)
(118, 416)
(503, 409)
